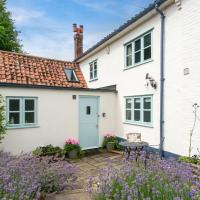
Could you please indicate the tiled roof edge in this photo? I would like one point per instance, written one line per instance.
(36, 57)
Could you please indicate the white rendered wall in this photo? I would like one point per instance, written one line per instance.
(181, 51)
(58, 118)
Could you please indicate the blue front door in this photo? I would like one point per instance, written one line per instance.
(88, 122)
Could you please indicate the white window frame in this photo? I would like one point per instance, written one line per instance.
(92, 70)
(74, 73)
(22, 111)
(142, 109)
(142, 61)
(128, 109)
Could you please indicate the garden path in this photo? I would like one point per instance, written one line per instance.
(87, 166)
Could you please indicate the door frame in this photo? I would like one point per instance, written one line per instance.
(98, 104)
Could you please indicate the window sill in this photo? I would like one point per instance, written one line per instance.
(136, 65)
(139, 124)
(91, 80)
(22, 127)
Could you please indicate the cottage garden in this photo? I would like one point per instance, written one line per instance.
(46, 170)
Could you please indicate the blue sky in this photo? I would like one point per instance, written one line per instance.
(46, 25)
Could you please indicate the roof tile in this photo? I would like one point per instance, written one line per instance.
(30, 70)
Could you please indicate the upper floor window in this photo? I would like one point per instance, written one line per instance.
(21, 111)
(139, 50)
(93, 70)
(139, 110)
(71, 75)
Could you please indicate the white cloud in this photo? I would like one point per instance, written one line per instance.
(58, 45)
(42, 35)
(24, 16)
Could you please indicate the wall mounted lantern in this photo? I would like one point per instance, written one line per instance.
(151, 80)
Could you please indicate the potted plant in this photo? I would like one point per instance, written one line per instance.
(72, 148)
(110, 142)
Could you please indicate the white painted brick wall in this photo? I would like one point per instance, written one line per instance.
(182, 50)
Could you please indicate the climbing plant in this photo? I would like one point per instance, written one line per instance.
(2, 118)
(195, 106)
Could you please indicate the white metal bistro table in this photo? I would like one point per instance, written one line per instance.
(137, 147)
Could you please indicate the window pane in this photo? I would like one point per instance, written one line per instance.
(29, 104)
(88, 110)
(29, 117)
(147, 40)
(128, 103)
(129, 60)
(137, 45)
(147, 116)
(71, 76)
(95, 65)
(137, 103)
(138, 57)
(147, 103)
(95, 73)
(147, 53)
(129, 49)
(136, 115)
(91, 67)
(91, 75)
(14, 105)
(14, 118)
(128, 114)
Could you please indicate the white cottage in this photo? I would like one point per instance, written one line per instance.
(143, 77)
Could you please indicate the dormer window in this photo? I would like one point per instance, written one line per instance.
(71, 75)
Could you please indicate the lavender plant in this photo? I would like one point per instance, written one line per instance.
(151, 179)
(25, 177)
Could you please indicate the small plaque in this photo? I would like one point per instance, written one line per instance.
(186, 71)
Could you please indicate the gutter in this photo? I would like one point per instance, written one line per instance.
(15, 85)
(162, 78)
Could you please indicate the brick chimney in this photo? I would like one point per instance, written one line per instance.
(78, 40)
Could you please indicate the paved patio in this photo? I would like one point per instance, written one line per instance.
(87, 166)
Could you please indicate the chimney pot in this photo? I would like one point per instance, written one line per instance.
(78, 40)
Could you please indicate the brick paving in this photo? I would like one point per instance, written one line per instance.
(87, 166)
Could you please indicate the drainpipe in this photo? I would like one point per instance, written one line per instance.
(162, 79)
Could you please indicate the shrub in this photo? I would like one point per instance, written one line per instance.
(150, 179)
(2, 119)
(70, 145)
(25, 177)
(110, 138)
(48, 150)
(194, 159)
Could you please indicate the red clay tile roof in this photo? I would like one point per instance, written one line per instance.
(31, 70)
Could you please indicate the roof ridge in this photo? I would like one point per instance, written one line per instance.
(33, 56)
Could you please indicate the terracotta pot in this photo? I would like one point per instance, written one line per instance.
(73, 154)
(110, 146)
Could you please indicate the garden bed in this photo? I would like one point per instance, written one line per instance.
(27, 177)
(149, 179)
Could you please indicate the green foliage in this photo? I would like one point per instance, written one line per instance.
(193, 160)
(2, 119)
(111, 139)
(71, 147)
(48, 150)
(8, 34)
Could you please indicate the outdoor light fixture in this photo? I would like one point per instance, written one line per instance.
(152, 81)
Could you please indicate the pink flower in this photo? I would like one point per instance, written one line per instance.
(71, 141)
(107, 135)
